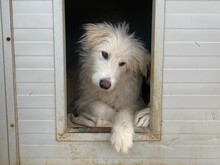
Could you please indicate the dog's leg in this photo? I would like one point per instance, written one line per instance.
(123, 130)
(102, 110)
(95, 114)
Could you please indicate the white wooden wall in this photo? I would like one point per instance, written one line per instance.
(191, 90)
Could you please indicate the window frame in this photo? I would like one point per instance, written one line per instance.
(157, 40)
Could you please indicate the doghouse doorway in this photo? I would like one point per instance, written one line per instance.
(77, 13)
(61, 49)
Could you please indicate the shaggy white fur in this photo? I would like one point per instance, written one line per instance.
(113, 64)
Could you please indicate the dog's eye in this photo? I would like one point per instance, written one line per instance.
(105, 55)
(122, 63)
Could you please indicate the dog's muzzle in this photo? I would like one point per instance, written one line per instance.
(105, 84)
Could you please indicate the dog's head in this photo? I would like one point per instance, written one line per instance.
(112, 54)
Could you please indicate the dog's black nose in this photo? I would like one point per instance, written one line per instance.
(105, 84)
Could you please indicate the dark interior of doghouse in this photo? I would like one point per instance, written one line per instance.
(78, 12)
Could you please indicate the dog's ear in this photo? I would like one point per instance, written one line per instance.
(94, 35)
(144, 65)
(142, 61)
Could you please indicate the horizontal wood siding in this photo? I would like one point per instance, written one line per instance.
(191, 91)
(35, 75)
(34, 48)
(35, 88)
(34, 59)
(33, 35)
(30, 7)
(33, 21)
(191, 109)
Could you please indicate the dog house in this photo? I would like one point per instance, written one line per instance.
(185, 85)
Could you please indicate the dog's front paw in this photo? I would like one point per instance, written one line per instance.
(122, 138)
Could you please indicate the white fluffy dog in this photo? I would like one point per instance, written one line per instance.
(113, 64)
